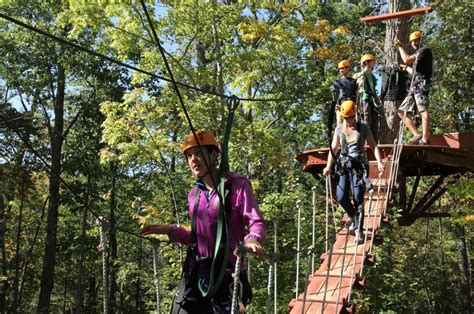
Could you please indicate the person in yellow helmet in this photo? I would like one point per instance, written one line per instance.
(344, 88)
(352, 169)
(368, 99)
(245, 225)
(420, 66)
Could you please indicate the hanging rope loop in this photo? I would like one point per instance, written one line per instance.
(155, 244)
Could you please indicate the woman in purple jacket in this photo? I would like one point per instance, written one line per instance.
(204, 204)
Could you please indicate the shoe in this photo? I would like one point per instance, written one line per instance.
(415, 139)
(359, 238)
(352, 228)
(424, 142)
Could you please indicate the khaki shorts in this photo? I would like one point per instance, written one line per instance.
(408, 104)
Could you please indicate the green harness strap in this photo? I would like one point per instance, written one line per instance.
(222, 246)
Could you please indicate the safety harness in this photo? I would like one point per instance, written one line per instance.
(353, 165)
(370, 90)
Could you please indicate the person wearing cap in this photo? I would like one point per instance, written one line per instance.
(352, 165)
(246, 226)
(344, 88)
(368, 99)
(420, 66)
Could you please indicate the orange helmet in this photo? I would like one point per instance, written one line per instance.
(205, 138)
(343, 64)
(367, 57)
(415, 35)
(348, 109)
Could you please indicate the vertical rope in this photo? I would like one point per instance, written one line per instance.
(275, 282)
(298, 202)
(269, 287)
(376, 210)
(353, 265)
(155, 245)
(313, 238)
(331, 197)
(327, 213)
(398, 153)
(398, 145)
(272, 272)
(342, 268)
(248, 309)
(371, 194)
(308, 256)
(327, 276)
(239, 253)
(103, 231)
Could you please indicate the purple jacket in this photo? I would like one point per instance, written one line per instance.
(244, 212)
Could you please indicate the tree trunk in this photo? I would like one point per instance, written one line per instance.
(3, 292)
(29, 256)
(91, 304)
(464, 269)
(394, 28)
(79, 297)
(112, 239)
(16, 278)
(49, 259)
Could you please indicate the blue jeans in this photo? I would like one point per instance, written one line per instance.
(349, 181)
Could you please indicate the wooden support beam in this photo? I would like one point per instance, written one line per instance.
(430, 202)
(413, 193)
(395, 15)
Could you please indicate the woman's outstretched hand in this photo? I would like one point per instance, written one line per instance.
(155, 229)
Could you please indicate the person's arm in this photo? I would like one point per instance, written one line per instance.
(335, 90)
(174, 233)
(407, 58)
(374, 147)
(335, 146)
(253, 219)
(364, 96)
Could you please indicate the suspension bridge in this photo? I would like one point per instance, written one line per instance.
(449, 156)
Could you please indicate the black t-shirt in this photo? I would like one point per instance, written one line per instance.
(424, 64)
(345, 87)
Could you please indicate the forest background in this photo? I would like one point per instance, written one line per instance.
(82, 137)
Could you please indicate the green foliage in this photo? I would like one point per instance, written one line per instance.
(416, 269)
(128, 125)
(453, 92)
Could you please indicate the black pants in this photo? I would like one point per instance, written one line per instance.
(190, 300)
(370, 115)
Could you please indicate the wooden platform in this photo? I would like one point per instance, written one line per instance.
(447, 154)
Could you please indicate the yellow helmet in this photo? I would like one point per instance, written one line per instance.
(367, 57)
(415, 35)
(205, 139)
(343, 64)
(348, 108)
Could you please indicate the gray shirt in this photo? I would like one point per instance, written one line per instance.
(352, 143)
